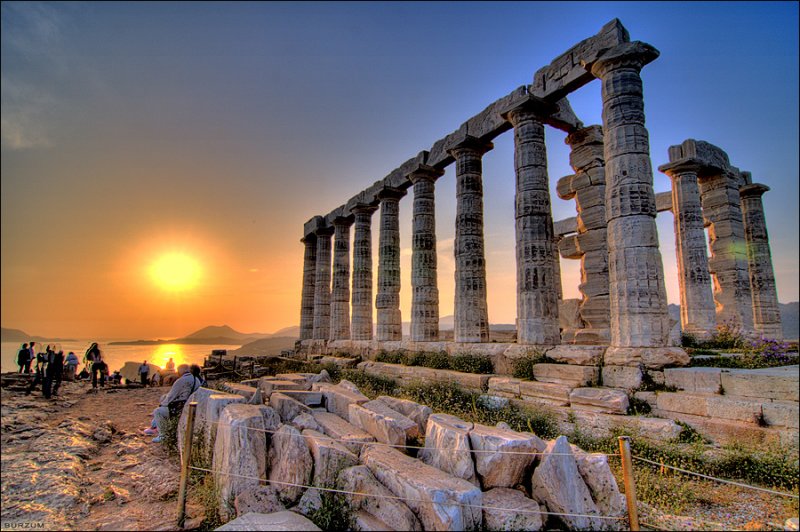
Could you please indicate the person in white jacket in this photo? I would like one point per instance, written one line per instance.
(180, 391)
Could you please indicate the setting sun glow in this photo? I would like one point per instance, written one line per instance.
(176, 272)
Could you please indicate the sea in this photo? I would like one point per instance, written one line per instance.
(116, 355)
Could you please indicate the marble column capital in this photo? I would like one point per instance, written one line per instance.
(364, 208)
(530, 108)
(324, 231)
(423, 172)
(345, 221)
(391, 193)
(309, 239)
(634, 55)
(469, 144)
(755, 190)
(674, 169)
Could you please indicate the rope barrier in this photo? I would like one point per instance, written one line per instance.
(741, 485)
(402, 499)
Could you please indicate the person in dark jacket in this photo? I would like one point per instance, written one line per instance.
(55, 372)
(24, 359)
(47, 371)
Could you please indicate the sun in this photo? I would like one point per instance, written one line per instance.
(176, 272)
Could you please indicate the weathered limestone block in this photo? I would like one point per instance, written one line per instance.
(329, 457)
(557, 483)
(337, 399)
(782, 414)
(306, 421)
(414, 411)
(382, 505)
(625, 377)
(780, 384)
(724, 431)
(734, 408)
(603, 425)
(595, 471)
(698, 380)
(206, 416)
(366, 522)
(267, 385)
(651, 358)
(600, 400)
(290, 462)
(579, 355)
(307, 398)
(259, 499)
(387, 425)
(240, 449)
(352, 437)
(508, 509)
(569, 314)
(650, 398)
(685, 403)
(472, 381)
(566, 374)
(558, 393)
(498, 470)
(251, 394)
(504, 387)
(286, 407)
(285, 520)
(310, 502)
(449, 503)
(447, 446)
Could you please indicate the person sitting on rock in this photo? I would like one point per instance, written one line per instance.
(180, 391)
(170, 366)
(71, 365)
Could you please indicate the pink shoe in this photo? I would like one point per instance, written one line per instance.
(150, 432)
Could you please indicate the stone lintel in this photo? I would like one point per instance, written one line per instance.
(368, 208)
(391, 193)
(567, 72)
(630, 54)
(345, 219)
(686, 164)
(461, 142)
(326, 230)
(335, 214)
(566, 226)
(528, 103)
(753, 190)
(424, 172)
(311, 226)
(710, 157)
(663, 201)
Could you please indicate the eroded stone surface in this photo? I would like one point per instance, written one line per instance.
(387, 425)
(496, 469)
(359, 479)
(606, 400)
(508, 509)
(284, 520)
(447, 446)
(290, 462)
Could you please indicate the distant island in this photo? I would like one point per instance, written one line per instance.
(211, 335)
(17, 335)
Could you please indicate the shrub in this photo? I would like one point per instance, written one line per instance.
(522, 367)
(370, 385)
(728, 336)
(206, 492)
(762, 353)
(389, 358)
(688, 340)
(638, 407)
(169, 438)
(468, 363)
(334, 513)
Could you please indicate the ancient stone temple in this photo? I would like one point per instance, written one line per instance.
(622, 315)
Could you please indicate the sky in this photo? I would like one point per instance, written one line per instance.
(211, 132)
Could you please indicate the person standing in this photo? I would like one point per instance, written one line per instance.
(39, 369)
(24, 359)
(144, 370)
(48, 373)
(56, 370)
(72, 365)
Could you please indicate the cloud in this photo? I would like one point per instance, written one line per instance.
(24, 115)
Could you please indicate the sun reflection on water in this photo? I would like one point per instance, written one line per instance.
(163, 353)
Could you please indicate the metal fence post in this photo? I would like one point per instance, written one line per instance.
(186, 462)
(627, 476)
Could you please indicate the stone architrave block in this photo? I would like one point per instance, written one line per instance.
(624, 377)
(240, 453)
(507, 509)
(440, 501)
(771, 383)
(696, 380)
(606, 400)
(579, 355)
(782, 414)
(685, 403)
(556, 393)
(381, 504)
(329, 457)
(413, 411)
(497, 469)
(597, 474)
(337, 399)
(285, 520)
(387, 425)
(447, 446)
(290, 462)
(558, 484)
(566, 374)
(286, 407)
(352, 437)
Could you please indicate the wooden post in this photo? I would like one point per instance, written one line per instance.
(186, 463)
(627, 476)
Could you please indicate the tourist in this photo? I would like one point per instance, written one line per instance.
(39, 372)
(98, 369)
(116, 377)
(173, 403)
(24, 359)
(72, 366)
(84, 374)
(144, 370)
(47, 371)
(55, 370)
(197, 372)
(170, 366)
(155, 380)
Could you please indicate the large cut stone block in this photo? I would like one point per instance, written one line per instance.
(566, 374)
(251, 394)
(625, 377)
(413, 411)
(504, 387)
(307, 398)
(600, 400)
(780, 384)
(409, 374)
(507, 509)
(502, 456)
(557, 483)
(381, 503)
(387, 425)
(734, 408)
(337, 399)
(595, 471)
(579, 355)
(557, 393)
(649, 357)
(290, 462)
(352, 437)
(696, 380)
(329, 457)
(603, 425)
(286, 407)
(267, 385)
(447, 446)
(685, 403)
(285, 520)
(261, 499)
(440, 501)
(782, 414)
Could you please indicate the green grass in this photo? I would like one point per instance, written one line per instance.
(463, 362)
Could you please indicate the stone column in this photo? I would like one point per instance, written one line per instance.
(340, 293)
(390, 325)
(322, 285)
(766, 312)
(637, 292)
(471, 310)
(722, 211)
(698, 315)
(307, 299)
(362, 273)
(537, 286)
(424, 289)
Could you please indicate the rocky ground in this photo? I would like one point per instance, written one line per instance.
(81, 462)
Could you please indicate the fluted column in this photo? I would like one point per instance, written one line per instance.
(387, 302)
(340, 293)
(322, 285)
(471, 310)
(698, 315)
(766, 312)
(636, 274)
(424, 286)
(537, 289)
(307, 298)
(361, 328)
